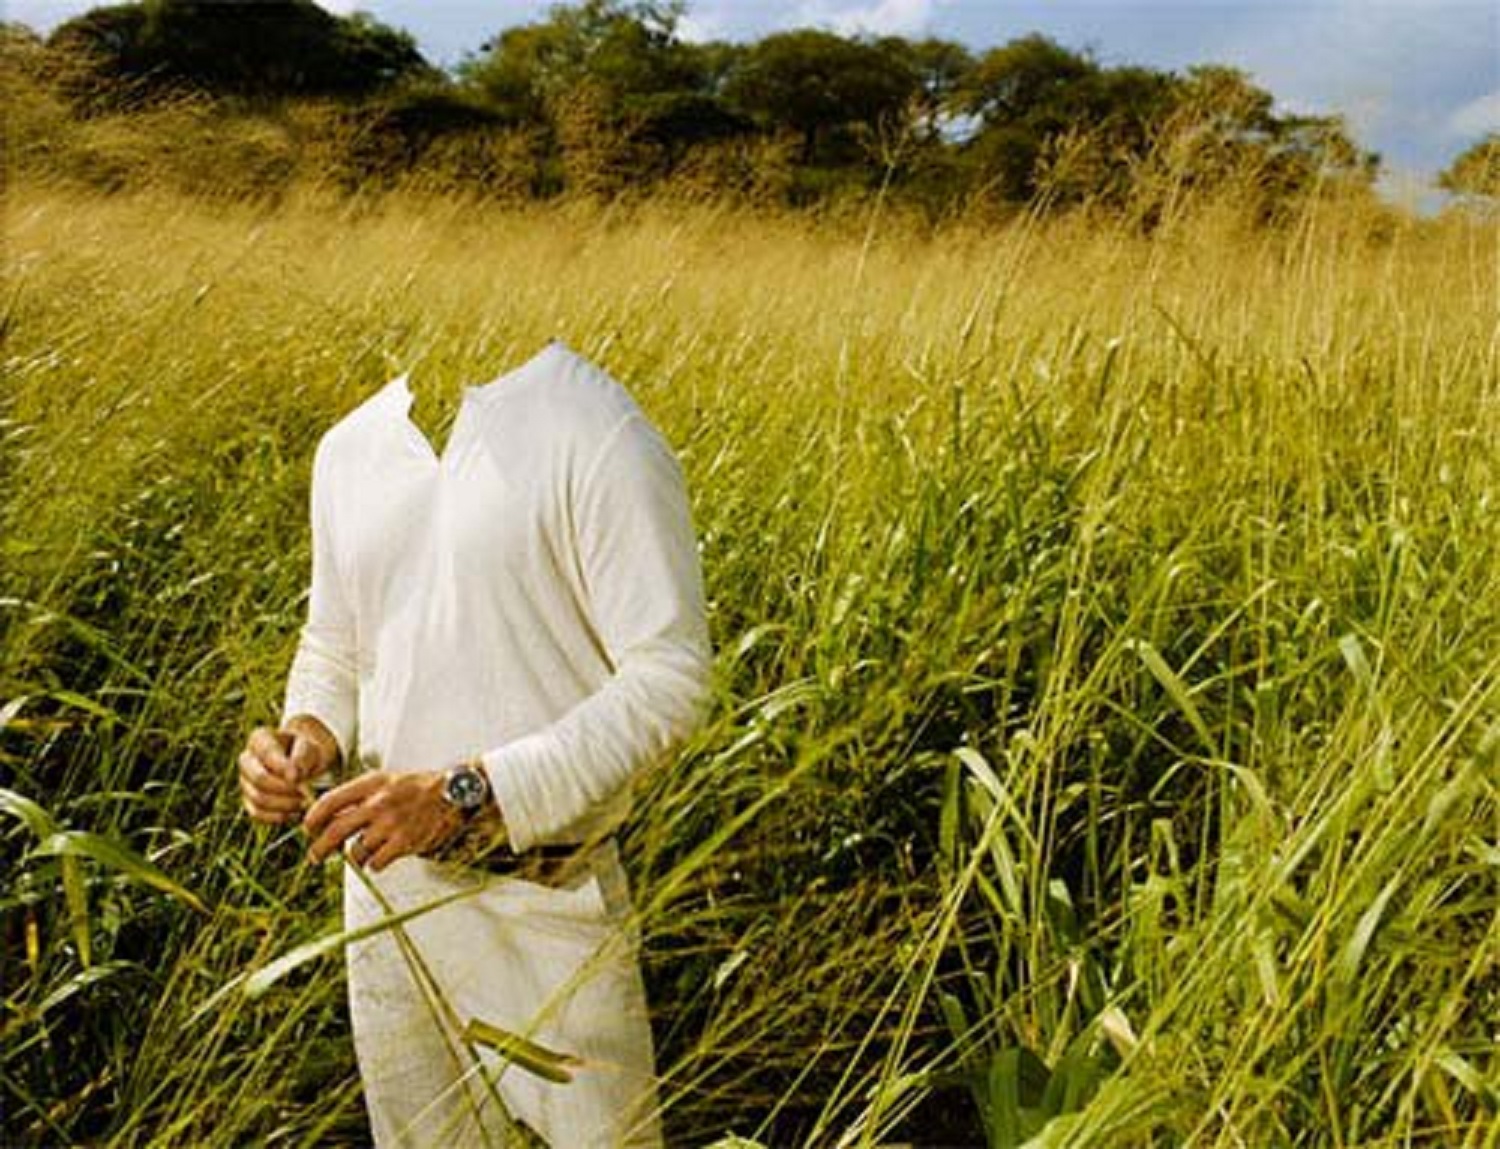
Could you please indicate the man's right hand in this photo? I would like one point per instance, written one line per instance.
(277, 765)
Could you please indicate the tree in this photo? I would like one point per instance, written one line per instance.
(1025, 80)
(1223, 127)
(812, 82)
(262, 48)
(1476, 170)
(941, 68)
(1025, 93)
(624, 50)
(1095, 150)
(612, 84)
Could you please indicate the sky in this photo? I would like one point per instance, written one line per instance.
(1416, 80)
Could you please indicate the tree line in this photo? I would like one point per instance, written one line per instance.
(604, 96)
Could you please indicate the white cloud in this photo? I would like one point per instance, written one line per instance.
(1476, 117)
(882, 18)
(339, 7)
(700, 29)
(1394, 70)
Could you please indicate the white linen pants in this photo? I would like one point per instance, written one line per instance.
(556, 964)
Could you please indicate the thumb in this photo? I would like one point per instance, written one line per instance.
(304, 757)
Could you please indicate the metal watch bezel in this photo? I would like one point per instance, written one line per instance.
(466, 788)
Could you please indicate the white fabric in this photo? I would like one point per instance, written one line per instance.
(532, 596)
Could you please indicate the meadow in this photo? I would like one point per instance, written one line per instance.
(1107, 735)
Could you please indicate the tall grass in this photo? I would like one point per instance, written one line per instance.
(1109, 653)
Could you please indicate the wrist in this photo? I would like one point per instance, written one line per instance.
(450, 822)
(480, 826)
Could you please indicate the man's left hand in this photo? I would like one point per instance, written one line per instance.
(394, 814)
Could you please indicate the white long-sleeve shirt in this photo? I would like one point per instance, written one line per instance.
(533, 595)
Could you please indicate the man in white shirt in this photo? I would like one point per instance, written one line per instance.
(508, 632)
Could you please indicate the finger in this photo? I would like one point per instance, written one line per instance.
(280, 808)
(349, 794)
(254, 777)
(378, 856)
(354, 848)
(270, 817)
(255, 770)
(272, 806)
(363, 846)
(306, 757)
(269, 748)
(269, 807)
(350, 820)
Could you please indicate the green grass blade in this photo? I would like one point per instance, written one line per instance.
(1177, 690)
(258, 983)
(538, 1059)
(70, 844)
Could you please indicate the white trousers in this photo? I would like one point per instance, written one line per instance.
(555, 964)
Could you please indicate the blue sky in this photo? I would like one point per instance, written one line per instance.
(1417, 80)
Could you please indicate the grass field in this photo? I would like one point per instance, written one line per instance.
(1108, 630)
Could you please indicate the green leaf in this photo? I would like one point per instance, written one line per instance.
(68, 844)
(950, 815)
(1017, 1084)
(9, 711)
(1176, 689)
(1060, 913)
(1468, 1077)
(1354, 657)
(86, 704)
(37, 820)
(953, 1015)
(1075, 1078)
(81, 981)
(76, 896)
(1364, 932)
(268, 975)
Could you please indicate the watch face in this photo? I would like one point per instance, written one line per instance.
(466, 789)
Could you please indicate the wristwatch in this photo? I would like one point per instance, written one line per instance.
(466, 788)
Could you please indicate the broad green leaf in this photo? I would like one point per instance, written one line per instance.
(1017, 1084)
(1074, 1079)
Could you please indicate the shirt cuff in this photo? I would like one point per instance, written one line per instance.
(510, 769)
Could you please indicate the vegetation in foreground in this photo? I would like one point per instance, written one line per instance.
(1109, 646)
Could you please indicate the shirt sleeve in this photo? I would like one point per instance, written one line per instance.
(324, 680)
(644, 587)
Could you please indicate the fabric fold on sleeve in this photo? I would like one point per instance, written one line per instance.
(639, 559)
